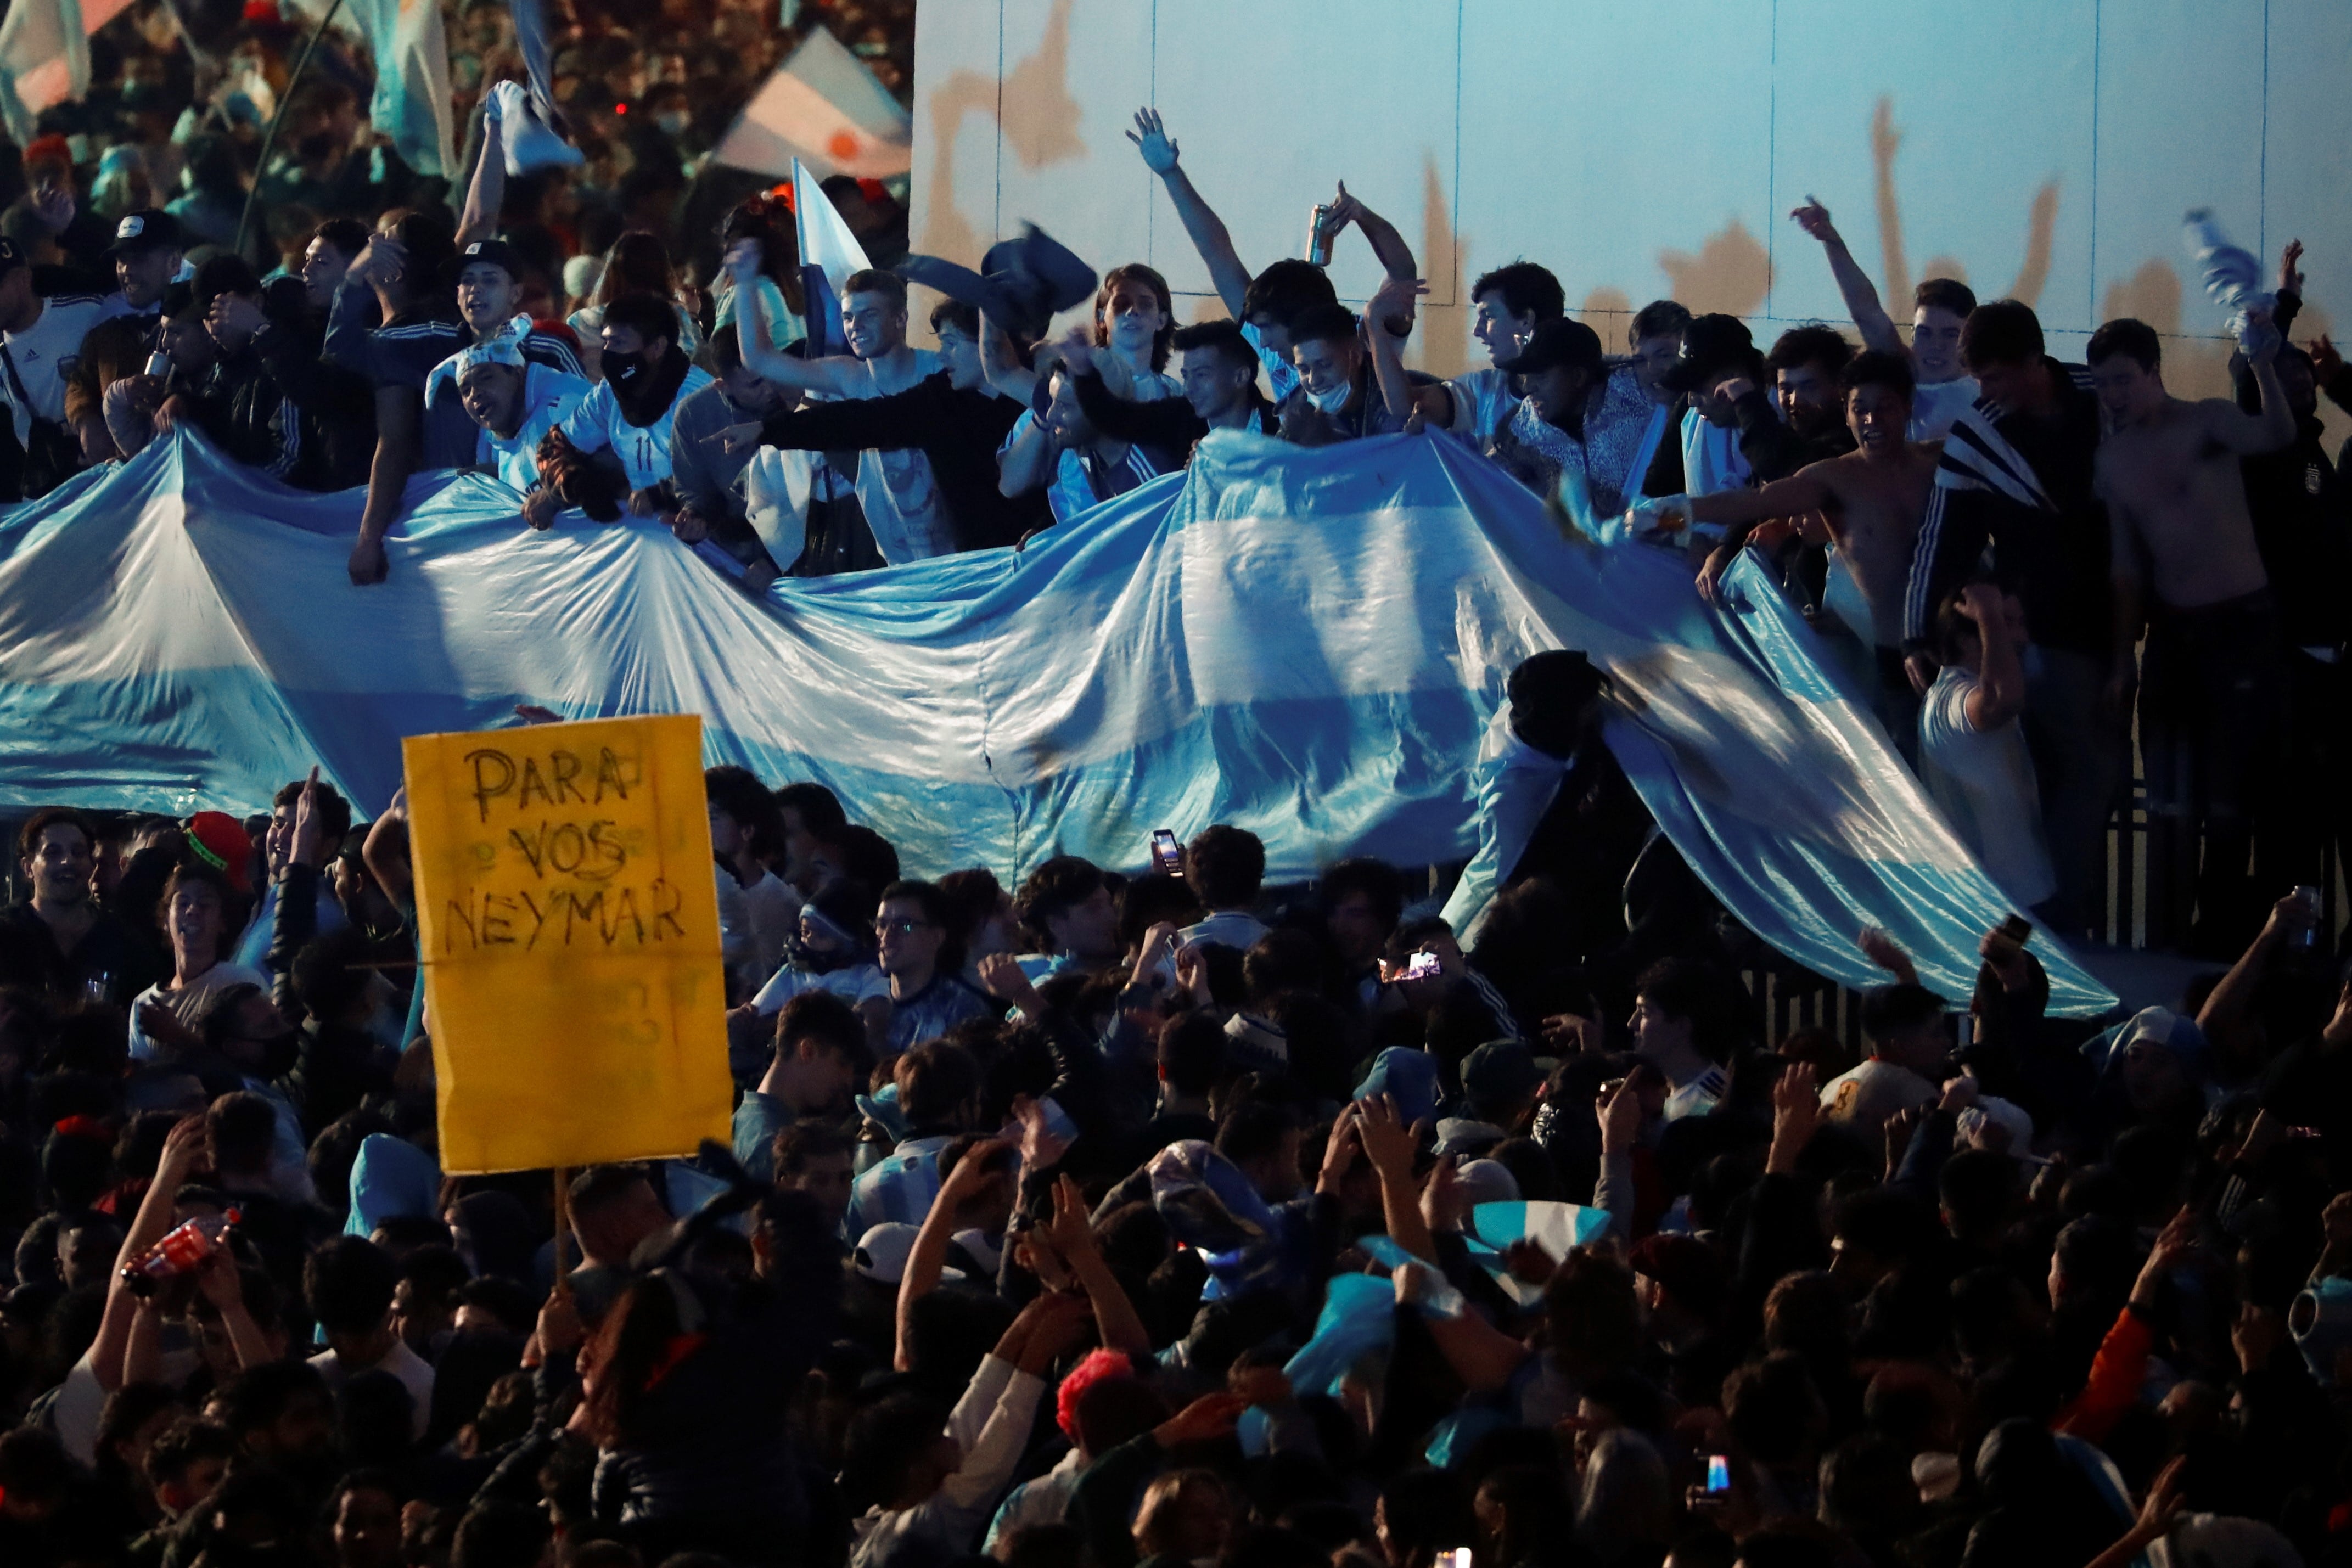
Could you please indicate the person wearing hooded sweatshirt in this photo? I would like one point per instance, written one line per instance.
(646, 375)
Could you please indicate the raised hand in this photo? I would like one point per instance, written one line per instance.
(1617, 1109)
(2325, 362)
(1071, 1231)
(1814, 219)
(1206, 1419)
(742, 260)
(307, 827)
(1572, 1034)
(1151, 139)
(1796, 1112)
(1388, 1141)
(1395, 300)
(54, 207)
(2290, 269)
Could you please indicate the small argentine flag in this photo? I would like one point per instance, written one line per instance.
(824, 108)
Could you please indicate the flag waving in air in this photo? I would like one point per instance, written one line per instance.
(829, 254)
(825, 109)
(45, 57)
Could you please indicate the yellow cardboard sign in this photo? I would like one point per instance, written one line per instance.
(569, 925)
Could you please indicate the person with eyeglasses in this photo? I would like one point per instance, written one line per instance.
(922, 957)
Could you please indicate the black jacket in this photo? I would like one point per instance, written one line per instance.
(957, 430)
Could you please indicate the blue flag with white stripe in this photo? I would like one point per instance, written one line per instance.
(1310, 644)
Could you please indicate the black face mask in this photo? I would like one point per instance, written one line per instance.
(626, 371)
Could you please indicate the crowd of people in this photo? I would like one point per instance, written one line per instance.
(1124, 1214)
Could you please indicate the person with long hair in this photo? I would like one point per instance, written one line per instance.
(769, 220)
(198, 921)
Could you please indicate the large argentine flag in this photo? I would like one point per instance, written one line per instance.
(824, 108)
(1308, 644)
(829, 255)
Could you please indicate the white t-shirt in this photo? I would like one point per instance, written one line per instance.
(1984, 781)
(643, 449)
(414, 1371)
(1228, 926)
(45, 354)
(1874, 1091)
(1935, 404)
(185, 1001)
(855, 983)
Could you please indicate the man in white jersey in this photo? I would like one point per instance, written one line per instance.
(1943, 388)
(513, 404)
(629, 412)
(895, 488)
(40, 340)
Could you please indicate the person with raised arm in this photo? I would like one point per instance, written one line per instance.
(1267, 305)
(2184, 565)
(1940, 306)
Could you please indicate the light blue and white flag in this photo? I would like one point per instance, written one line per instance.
(45, 57)
(823, 108)
(411, 102)
(829, 255)
(1307, 644)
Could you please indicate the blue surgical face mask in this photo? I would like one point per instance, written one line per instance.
(1333, 401)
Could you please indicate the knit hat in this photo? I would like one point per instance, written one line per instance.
(218, 840)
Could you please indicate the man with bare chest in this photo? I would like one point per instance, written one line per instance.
(1871, 500)
(2184, 563)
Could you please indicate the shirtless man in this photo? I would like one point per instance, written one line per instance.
(1870, 501)
(2211, 679)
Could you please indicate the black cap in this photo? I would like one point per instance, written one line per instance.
(10, 256)
(1557, 343)
(151, 229)
(496, 253)
(1711, 344)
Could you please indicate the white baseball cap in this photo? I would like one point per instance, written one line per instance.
(883, 1251)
